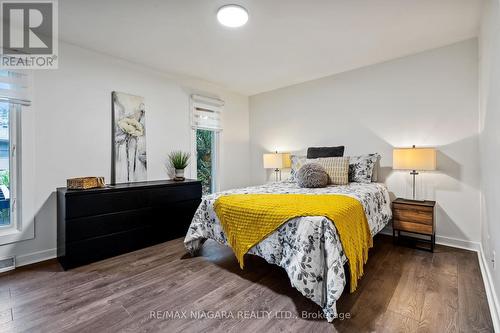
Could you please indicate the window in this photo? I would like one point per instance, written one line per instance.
(7, 162)
(205, 121)
(13, 91)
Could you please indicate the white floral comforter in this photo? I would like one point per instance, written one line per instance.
(308, 248)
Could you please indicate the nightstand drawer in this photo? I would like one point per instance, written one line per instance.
(413, 227)
(413, 215)
(420, 208)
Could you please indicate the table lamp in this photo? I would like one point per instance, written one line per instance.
(414, 159)
(276, 161)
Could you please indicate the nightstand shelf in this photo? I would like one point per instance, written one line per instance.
(415, 217)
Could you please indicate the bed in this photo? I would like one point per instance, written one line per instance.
(307, 248)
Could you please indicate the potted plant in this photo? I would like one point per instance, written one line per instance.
(179, 160)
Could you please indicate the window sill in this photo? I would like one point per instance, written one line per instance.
(12, 235)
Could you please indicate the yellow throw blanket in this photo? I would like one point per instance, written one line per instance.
(247, 219)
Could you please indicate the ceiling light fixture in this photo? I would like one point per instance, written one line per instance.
(232, 16)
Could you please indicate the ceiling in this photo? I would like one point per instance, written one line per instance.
(284, 42)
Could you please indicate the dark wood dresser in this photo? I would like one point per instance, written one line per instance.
(415, 217)
(100, 223)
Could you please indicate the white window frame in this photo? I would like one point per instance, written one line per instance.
(22, 175)
(14, 146)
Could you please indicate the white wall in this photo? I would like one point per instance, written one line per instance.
(72, 107)
(489, 140)
(428, 99)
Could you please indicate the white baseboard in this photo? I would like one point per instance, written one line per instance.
(448, 241)
(490, 289)
(458, 243)
(35, 257)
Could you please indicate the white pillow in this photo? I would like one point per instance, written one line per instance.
(361, 168)
(297, 162)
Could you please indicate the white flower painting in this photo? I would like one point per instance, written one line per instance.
(129, 139)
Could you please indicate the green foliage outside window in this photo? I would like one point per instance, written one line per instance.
(5, 213)
(4, 178)
(204, 150)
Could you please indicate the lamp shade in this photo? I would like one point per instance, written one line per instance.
(276, 160)
(414, 159)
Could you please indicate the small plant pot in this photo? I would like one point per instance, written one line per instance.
(179, 174)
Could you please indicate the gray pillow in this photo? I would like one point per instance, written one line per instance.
(312, 175)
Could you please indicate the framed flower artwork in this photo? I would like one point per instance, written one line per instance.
(129, 162)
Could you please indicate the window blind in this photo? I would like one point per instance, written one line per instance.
(15, 87)
(206, 112)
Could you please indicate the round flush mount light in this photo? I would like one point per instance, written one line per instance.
(232, 16)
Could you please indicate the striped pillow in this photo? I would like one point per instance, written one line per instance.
(297, 162)
(337, 169)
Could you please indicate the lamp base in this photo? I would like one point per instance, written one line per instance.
(414, 173)
(277, 174)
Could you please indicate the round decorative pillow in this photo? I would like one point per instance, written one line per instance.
(312, 175)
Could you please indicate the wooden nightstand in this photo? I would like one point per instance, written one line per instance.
(414, 217)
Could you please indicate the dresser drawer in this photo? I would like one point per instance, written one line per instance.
(94, 226)
(94, 249)
(103, 203)
(413, 227)
(413, 215)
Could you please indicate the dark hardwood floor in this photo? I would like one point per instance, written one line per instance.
(403, 290)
